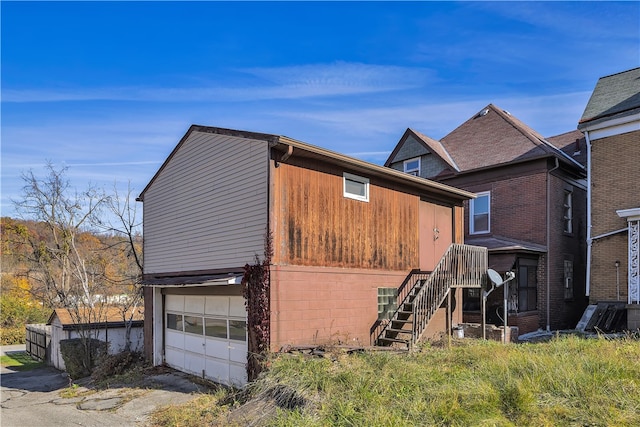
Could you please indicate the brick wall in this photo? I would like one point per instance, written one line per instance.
(614, 185)
(614, 180)
(518, 207)
(565, 313)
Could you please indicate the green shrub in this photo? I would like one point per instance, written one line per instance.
(77, 362)
(16, 311)
(116, 364)
(11, 336)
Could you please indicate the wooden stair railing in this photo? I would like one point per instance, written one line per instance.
(422, 293)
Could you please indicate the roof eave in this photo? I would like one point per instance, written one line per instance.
(380, 171)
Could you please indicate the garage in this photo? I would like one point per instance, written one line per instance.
(206, 335)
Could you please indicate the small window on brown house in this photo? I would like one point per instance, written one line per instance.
(527, 285)
(480, 213)
(355, 187)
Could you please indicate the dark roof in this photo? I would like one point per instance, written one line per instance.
(494, 137)
(205, 279)
(301, 148)
(573, 144)
(496, 244)
(617, 95)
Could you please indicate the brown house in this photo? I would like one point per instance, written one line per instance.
(611, 126)
(529, 211)
(351, 240)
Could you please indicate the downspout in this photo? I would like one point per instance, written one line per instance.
(587, 288)
(548, 298)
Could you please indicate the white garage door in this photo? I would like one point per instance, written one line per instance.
(207, 335)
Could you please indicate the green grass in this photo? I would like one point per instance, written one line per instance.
(568, 381)
(19, 361)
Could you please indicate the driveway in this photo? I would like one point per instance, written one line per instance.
(35, 398)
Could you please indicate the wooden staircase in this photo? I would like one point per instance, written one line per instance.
(422, 293)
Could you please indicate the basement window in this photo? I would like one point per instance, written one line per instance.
(387, 302)
(356, 187)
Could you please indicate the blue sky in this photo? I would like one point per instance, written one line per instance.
(108, 89)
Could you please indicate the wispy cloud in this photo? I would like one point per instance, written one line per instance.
(301, 81)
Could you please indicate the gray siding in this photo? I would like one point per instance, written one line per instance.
(430, 165)
(208, 208)
(410, 149)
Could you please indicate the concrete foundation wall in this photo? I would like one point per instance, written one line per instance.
(314, 305)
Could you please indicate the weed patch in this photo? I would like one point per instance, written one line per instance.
(565, 381)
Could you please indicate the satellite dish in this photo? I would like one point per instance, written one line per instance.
(495, 278)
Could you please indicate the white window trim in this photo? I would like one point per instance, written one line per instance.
(472, 214)
(348, 176)
(568, 220)
(411, 171)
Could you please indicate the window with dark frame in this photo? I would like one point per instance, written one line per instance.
(568, 279)
(471, 299)
(527, 285)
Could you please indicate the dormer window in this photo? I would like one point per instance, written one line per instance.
(412, 166)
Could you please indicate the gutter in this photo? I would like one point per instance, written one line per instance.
(587, 288)
(367, 167)
(548, 241)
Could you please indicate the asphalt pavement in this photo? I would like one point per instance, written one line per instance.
(33, 398)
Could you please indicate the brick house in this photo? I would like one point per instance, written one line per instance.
(611, 126)
(350, 240)
(529, 211)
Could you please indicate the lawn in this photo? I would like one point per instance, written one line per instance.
(569, 381)
(19, 361)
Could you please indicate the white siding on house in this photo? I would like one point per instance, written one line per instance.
(115, 337)
(207, 209)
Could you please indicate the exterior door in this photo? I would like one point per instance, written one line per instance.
(436, 233)
(207, 336)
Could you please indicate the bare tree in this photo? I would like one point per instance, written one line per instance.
(69, 272)
(124, 223)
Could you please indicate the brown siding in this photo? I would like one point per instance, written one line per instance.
(458, 224)
(315, 225)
